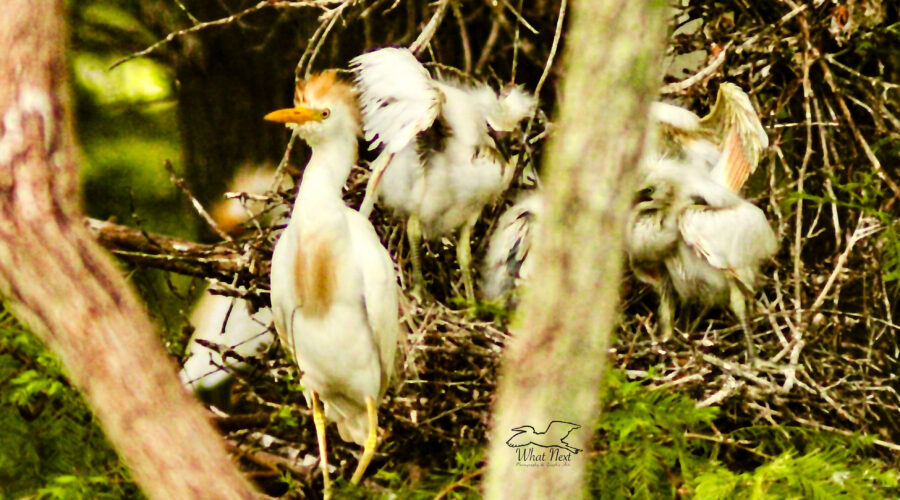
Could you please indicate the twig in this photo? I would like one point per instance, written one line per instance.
(678, 87)
(163, 252)
(519, 18)
(463, 39)
(488, 45)
(179, 183)
(184, 9)
(560, 22)
(865, 227)
(269, 460)
(824, 427)
(428, 31)
(332, 16)
(459, 482)
(218, 22)
(728, 388)
(876, 164)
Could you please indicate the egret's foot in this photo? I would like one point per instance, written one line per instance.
(371, 442)
(472, 307)
(319, 421)
(419, 294)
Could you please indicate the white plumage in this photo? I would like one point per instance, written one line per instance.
(440, 163)
(225, 325)
(334, 291)
(690, 232)
(218, 346)
(507, 263)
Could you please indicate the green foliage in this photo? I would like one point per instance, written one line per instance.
(50, 446)
(460, 481)
(643, 440)
(657, 444)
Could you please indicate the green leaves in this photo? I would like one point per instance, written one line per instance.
(50, 447)
(655, 444)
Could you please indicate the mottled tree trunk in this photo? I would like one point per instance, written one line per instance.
(64, 286)
(553, 367)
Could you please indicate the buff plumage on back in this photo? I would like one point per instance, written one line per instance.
(315, 276)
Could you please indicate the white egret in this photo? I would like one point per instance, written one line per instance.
(440, 163)
(226, 330)
(334, 290)
(690, 231)
(506, 262)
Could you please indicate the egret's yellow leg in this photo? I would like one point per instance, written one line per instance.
(371, 442)
(414, 235)
(464, 257)
(739, 306)
(319, 421)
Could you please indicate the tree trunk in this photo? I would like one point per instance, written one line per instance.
(57, 278)
(553, 367)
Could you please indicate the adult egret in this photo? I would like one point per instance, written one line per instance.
(441, 161)
(334, 291)
(506, 262)
(690, 231)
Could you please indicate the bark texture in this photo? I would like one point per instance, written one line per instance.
(553, 368)
(56, 278)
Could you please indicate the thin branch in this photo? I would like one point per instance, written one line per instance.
(218, 22)
(164, 252)
(179, 183)
(429, 30)
(876, 164)
(712, 67)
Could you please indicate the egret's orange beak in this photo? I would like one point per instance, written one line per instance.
(298, 115)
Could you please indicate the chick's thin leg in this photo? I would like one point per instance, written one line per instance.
(464, 256)
(414, 235)
(371, 442)
(666, 309)
(319, 421)
(739, 307)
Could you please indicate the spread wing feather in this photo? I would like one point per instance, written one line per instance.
(729, 140)
(734, 121)
(399, 100)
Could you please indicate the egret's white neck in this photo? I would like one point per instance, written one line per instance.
(327, 171)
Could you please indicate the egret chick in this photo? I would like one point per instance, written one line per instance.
(334, 292)
(690, 232)
(507, 263)
(226, 330)
(442, 160)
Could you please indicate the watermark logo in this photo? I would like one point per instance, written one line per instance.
(544, 449)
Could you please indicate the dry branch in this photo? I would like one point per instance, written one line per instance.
(169, 254)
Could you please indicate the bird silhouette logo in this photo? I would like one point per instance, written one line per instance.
(554, 437)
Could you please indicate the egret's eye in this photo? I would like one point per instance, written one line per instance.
(326, 113)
